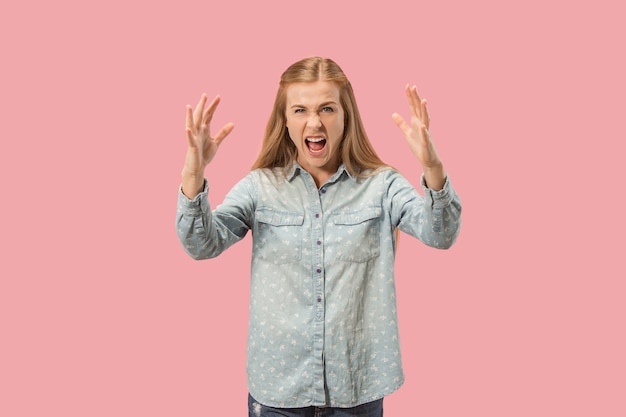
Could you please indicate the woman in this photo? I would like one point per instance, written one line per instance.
(323, 209)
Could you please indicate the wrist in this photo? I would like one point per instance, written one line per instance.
(435, 176)
(192, 185)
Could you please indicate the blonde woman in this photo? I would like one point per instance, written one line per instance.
(323, 209)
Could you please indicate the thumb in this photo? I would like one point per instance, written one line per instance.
(400, 122)
(224, 131)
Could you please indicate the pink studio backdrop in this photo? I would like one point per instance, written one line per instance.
(102, 313)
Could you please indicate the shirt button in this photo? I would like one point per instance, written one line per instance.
(319, 270)
(319, 299)
(317, 215)
(319, 242)
(323, 190)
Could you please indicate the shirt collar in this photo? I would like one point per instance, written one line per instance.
(296, 168)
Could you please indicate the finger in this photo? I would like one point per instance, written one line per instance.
(189, 118)
(224, 131)
(416, 95)
(197, 114)
(426, 139)
(407, 91)
(208, 114)
(190, 139)
(426, 133)
(413, 103)
(425, 114)
(417, 101)
(418, 129)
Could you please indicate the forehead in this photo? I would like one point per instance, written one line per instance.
(312, 93)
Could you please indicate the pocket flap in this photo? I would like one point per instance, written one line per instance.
(279, 218)
(356, 217)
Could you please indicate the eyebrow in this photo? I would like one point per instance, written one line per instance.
(321, 105)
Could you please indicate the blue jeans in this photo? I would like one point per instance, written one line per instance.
(372, 409)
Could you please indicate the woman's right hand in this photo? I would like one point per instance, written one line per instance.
(202, 147)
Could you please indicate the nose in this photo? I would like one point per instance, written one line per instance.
(314, 121)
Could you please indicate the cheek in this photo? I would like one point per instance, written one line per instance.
(291, 130)
(292, 137)
(340, 123)
(292, 125)
(340, 127)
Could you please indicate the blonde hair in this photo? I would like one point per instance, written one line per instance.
(357, 153)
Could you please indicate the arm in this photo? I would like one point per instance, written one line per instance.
(206, 233)
(435, 218)
(203, 233)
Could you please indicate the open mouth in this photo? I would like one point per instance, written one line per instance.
(315, 144)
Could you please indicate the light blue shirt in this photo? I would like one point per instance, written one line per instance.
(323, 327)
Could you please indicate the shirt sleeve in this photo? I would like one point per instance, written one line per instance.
(206, 233)
(434, 218)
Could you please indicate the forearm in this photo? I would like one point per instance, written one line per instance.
(434, 219)
(443, 215)
(205, 233)
(193, 223)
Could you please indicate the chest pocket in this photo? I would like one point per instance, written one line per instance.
(357, 234)
(278, 236)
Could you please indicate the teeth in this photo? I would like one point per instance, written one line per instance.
(315, 139)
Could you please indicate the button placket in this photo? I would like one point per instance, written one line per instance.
(319, 276)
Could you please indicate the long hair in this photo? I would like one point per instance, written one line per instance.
(357, 153)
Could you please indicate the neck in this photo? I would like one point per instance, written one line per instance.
(320, 174)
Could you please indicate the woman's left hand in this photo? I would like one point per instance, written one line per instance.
(418, 137)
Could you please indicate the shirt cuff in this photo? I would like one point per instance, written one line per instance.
(193, 204)
(441, 198)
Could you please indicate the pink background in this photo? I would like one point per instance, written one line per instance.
(103, 314)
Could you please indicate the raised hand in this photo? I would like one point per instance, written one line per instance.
(202, 147)
(418, 137)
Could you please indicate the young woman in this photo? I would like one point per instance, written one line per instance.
(323, 209)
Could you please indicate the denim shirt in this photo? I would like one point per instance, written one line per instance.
(323, 325)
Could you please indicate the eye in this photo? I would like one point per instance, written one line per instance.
(299, 110)
(327, 109)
